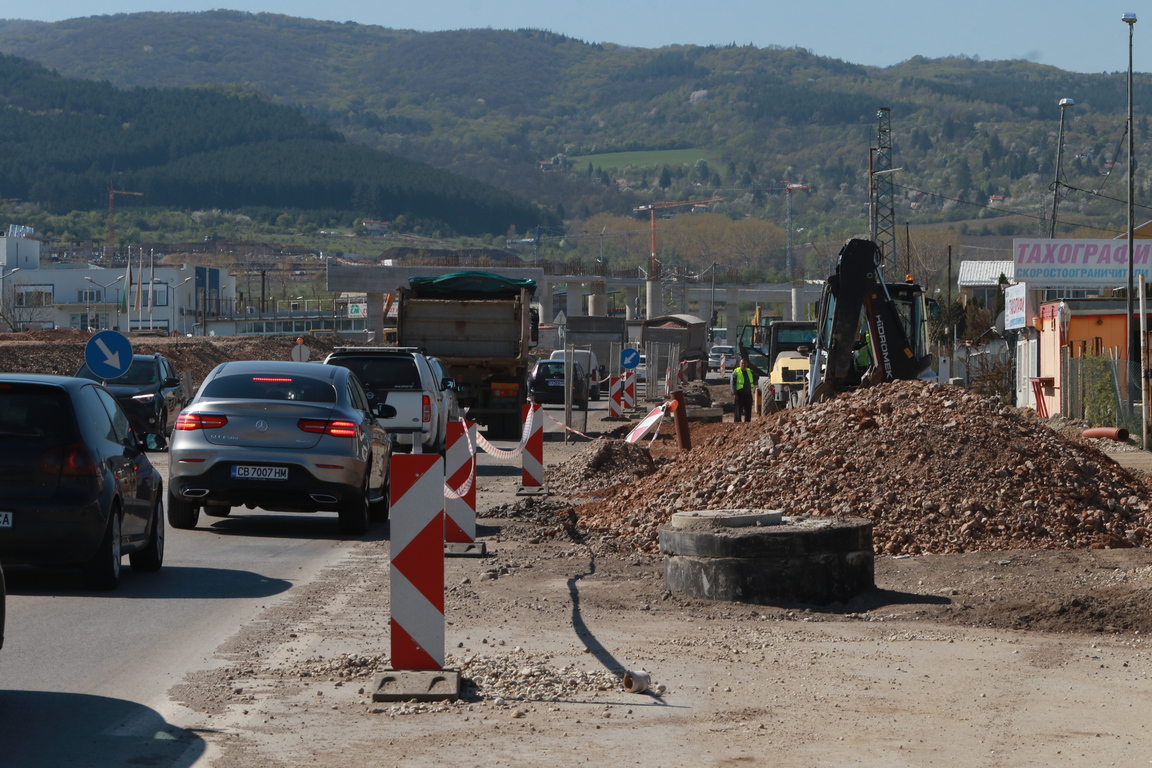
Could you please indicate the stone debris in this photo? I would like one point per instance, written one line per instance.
(602, 464)
(506, 681)
(938, 469)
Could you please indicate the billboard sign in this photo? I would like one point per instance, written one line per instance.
(1016, 310)
(1045, 263)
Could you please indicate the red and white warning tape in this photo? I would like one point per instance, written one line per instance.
(462, 491)
(500, 455)
(565, 426)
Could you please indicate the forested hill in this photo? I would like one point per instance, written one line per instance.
(62, 141)
(492, 104)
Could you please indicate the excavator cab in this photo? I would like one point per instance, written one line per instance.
(857, 301)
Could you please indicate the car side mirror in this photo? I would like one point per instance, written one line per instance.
(447, 383)
(384, 411)
(171, 381)
(154, 442)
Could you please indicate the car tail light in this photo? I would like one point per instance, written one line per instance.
(332, 427)
(73, 460)
(426, 410)
(190, 421)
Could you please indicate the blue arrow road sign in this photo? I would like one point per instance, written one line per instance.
(108, 354)
(629, 358)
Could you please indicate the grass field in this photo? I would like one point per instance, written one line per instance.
(652, 159)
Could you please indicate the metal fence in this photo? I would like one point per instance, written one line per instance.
(1101, 389)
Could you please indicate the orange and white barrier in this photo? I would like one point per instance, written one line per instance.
(615, 398)
(460, 493)
(417, 561)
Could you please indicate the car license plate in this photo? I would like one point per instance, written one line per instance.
(245, 472)
(5, 519)
(555, 382)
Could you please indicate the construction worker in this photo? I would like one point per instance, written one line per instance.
(743, 383)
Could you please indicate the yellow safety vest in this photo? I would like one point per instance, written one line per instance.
(741, 374)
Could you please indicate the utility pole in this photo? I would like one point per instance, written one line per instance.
(885, 213)
(793, 273)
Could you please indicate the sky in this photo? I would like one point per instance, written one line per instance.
(1070, 34)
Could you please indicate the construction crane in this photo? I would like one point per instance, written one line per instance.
(112, 192)
(653, 266)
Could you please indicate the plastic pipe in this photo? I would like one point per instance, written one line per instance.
(1112, 433)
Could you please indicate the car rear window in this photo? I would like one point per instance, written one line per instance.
(139, 373)
(382, 372)
(270, 386)
(35, 412)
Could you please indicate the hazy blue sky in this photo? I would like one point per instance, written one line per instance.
(1070, 34)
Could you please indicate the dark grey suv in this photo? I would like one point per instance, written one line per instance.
(150, 392)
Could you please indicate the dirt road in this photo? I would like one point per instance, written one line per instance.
(1022, 658)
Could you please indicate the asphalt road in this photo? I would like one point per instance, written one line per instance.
(84, 675)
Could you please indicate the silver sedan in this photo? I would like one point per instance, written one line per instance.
(281, 436)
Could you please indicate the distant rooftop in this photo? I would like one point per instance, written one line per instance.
(984, 274)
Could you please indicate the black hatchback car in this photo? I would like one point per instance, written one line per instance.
(546, 383)
(150, 392)
(76, 488)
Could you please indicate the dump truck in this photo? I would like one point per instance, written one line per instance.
(688, 332)
(482, 327)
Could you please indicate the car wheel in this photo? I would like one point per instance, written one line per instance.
(354, 513)
(149, 559)
(181, 513)
(217, 510)
(103, 570)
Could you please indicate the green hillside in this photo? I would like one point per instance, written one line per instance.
(63, 141)
(493, 104)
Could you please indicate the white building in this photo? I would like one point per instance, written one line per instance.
(165, 299)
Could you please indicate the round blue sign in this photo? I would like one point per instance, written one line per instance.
(108, 354)
(629, 359)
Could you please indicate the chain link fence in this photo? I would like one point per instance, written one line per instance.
(1102, 390)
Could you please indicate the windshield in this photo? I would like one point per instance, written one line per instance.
(141, 372)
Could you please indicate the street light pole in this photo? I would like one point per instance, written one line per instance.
(104, 293)
(1133, 330)
(1064, 104)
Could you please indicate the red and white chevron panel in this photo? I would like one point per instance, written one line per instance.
(460, 469)
(417, 568)
(532, 471)
(615, 402)
(628, 395)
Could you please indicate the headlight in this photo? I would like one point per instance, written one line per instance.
(143, 399)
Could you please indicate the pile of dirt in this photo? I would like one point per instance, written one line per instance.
(602, 464)
(938, 469)
(61, 352)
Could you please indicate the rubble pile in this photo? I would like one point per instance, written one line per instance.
(602, 464)
(938, 469)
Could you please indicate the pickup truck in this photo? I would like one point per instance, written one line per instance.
(413, 403)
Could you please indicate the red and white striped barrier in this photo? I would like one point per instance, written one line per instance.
(668, 381)
(615, 398)
(417, 567)
(628, 390)
(460, 494)
(532, 457)
(649, 421)
(723, 365)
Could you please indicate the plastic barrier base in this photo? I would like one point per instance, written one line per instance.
(465, 549)
(408, 685)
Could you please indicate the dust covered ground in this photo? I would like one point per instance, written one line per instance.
(1008, 625)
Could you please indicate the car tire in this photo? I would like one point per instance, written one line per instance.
(181, 513)
(103, 570)
(217, 510)
(354, 513)
(151, 558)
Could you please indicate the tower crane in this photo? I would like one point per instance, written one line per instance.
(112, 192)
